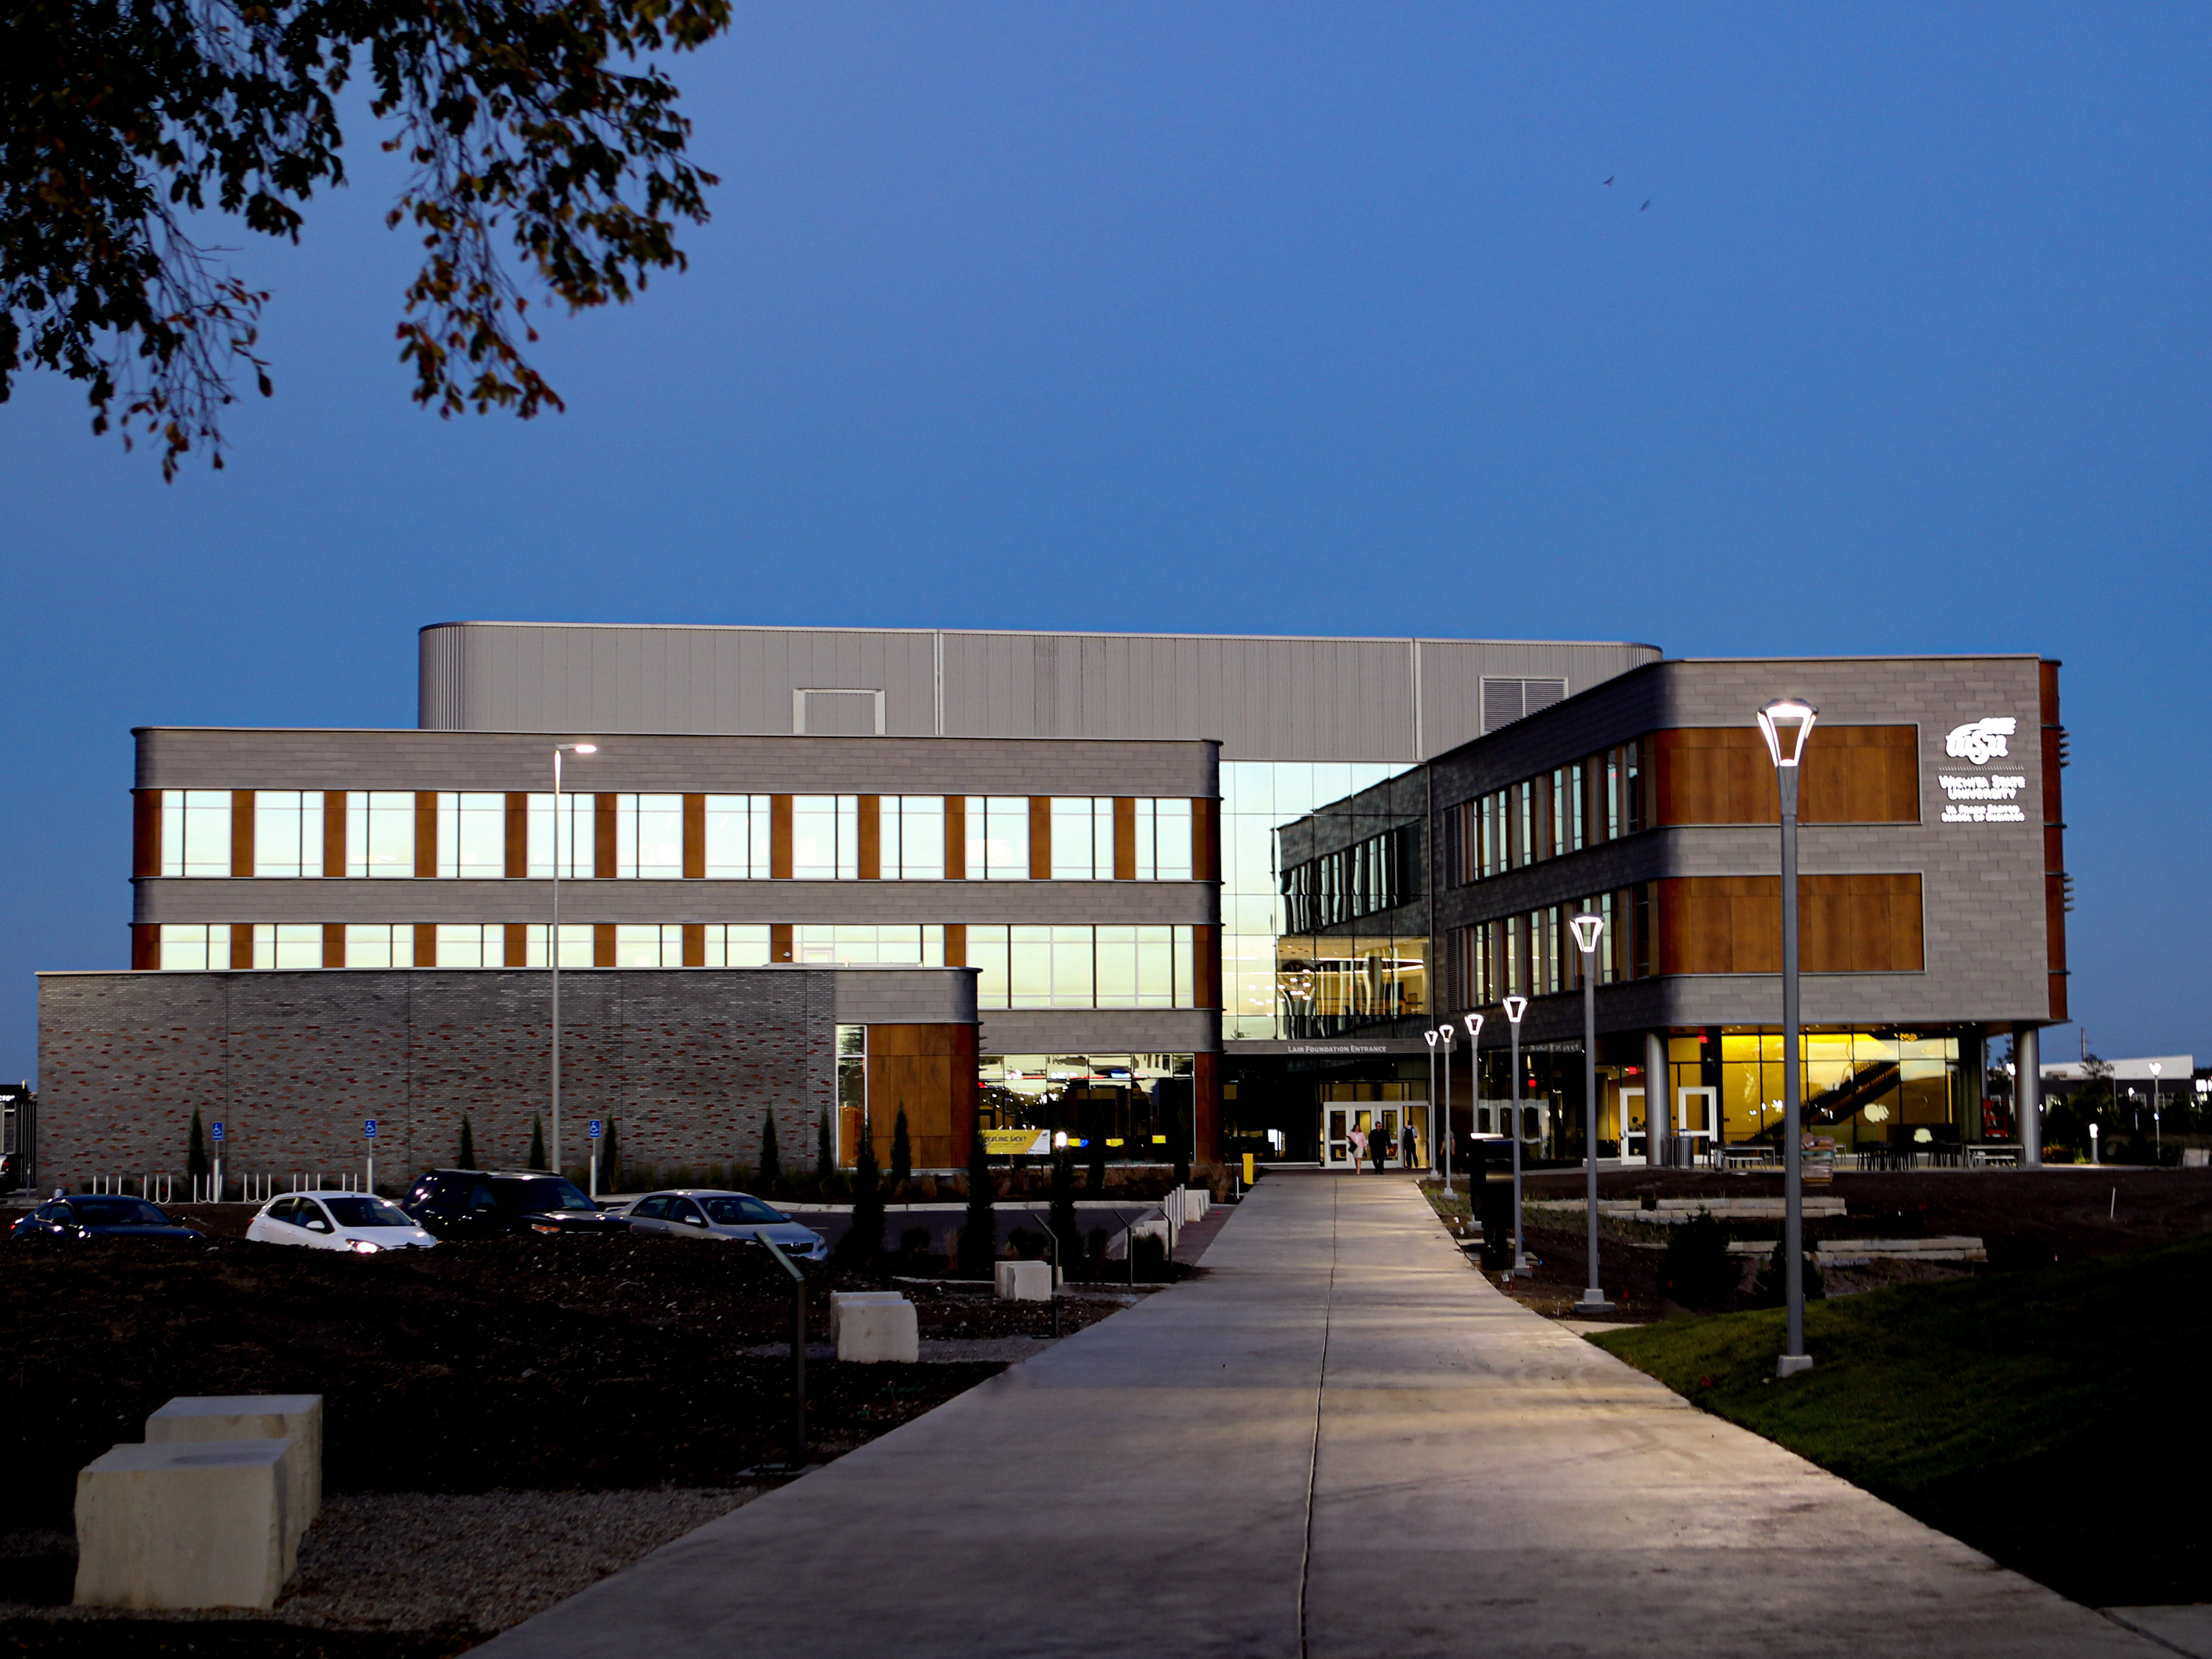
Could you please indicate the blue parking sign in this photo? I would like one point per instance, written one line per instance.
(593, 1132)
(218, 1132)
(368, 1129)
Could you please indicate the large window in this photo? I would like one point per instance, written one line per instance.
(649, 946)
(195, 944)
(825, 837)
(864, 943)
(288, 945)
(472, 837)
(998, 837)
(380, 944)
(649, 837)
(1082, 838)
(1163, 841)
(469, 945)
(288, 832)
(380, 832)
(1378, 873)
(1534, 954)
(738, 837)
(913, 840)
(578, 838)
(195, 832)
(1082, 967)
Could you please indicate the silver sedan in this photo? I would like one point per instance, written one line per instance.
(692, 1213)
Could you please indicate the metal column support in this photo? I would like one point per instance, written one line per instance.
(1658, 1100)
(2028, 1093)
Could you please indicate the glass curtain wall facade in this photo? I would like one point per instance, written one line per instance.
(1275, 984)
(1120, 1107)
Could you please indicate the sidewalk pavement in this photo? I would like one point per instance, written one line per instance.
(1480, 1482)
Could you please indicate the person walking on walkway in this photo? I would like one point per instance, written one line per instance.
(1378, 1148)
(1357, 1137)
(1408, 1148)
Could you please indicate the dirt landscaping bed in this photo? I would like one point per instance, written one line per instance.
(528, 1366)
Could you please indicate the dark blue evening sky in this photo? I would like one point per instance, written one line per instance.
(1260, 318)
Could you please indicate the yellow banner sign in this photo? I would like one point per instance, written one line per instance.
(1008, 1143)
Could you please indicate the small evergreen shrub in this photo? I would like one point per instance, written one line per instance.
(1698, 1271)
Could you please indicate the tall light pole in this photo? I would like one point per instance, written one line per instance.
(1787, 724)
(1515, 1007)
(1473, 1023)
(553, 944)
(1431, 1036)
(2156, 1140)
(1445, 1033)
(1589, 927)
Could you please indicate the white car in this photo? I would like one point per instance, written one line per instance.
(337, 1221)
(692, 1213)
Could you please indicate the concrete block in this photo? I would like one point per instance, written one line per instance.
(840, 1300)
(185, 1524)
(294, 1417)
(1195, 1201)
(877, 1332)
(1023, 1281)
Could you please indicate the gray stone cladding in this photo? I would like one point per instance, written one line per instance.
(178, 757)
(265, 899)
(1981, 885)
(1101, 1031)
(688, 1061)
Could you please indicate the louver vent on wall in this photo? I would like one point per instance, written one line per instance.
(1504, 701)
(837, 714)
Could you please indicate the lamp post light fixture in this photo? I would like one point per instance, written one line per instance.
(1787, 725)
(1515, 1007)
(1588, 928)
(553, 944)
(2156, 1140)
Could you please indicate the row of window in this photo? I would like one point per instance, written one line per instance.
(1584, 803)
(1023, 966)
(488, 836)
(1379, 873)
(1535, 955)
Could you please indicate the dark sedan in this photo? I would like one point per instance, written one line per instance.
(462, 1204)
(105, 1217)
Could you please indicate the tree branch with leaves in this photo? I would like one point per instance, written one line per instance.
(547, 153)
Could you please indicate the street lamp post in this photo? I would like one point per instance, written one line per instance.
(2156, 1140)
(1445, 1033)
(1589, 927)
(1515, 1007)
(1787, 724)
(1431, 1036)
(553, 944)
(1473, 1023)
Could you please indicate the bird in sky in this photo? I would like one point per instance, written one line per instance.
(1610, 180)
(1644, 207)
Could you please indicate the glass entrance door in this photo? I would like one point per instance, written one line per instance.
(1697, 1116)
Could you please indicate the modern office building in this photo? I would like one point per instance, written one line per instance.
(1932, 887)
(1084, 825)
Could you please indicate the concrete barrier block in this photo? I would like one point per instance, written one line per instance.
(294, 1417)
(185, 1524)
(879, 1332)
(840, 1300)
(1023, 1281)
(1195, 1202)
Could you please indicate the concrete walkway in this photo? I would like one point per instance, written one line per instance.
(1481, 1483)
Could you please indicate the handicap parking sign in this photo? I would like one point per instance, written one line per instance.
(594, 1130)
(368, 1129)
(218, 1132)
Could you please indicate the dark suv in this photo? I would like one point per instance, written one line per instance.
(490, 1204)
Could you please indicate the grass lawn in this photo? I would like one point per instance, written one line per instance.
(2054, 1419)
